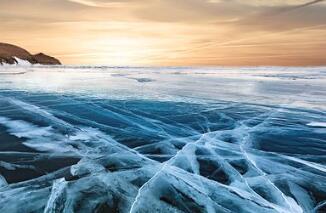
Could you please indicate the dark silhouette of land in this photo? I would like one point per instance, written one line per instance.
(9, 53)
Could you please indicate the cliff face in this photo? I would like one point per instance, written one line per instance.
(9, 52)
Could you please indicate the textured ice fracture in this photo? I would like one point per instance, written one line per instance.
(183, 140)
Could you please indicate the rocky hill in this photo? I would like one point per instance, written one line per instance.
(9, 53)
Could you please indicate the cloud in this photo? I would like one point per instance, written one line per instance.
(296, 7)
(85, 2)
(308, 4)
(99, 3)
(284, 17)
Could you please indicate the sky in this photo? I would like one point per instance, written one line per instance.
(169, 32)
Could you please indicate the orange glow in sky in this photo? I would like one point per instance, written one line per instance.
(169, 32)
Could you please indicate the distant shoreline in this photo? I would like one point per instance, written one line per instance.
(12, 54)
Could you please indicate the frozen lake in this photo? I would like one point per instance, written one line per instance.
(103, 139)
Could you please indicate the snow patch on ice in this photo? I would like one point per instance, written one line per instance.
(22, 129)
(20, 62)
(317, 124)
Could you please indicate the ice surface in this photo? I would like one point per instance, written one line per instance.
(103, 139)
(317, 124)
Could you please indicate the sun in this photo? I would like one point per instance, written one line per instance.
(121, 50)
